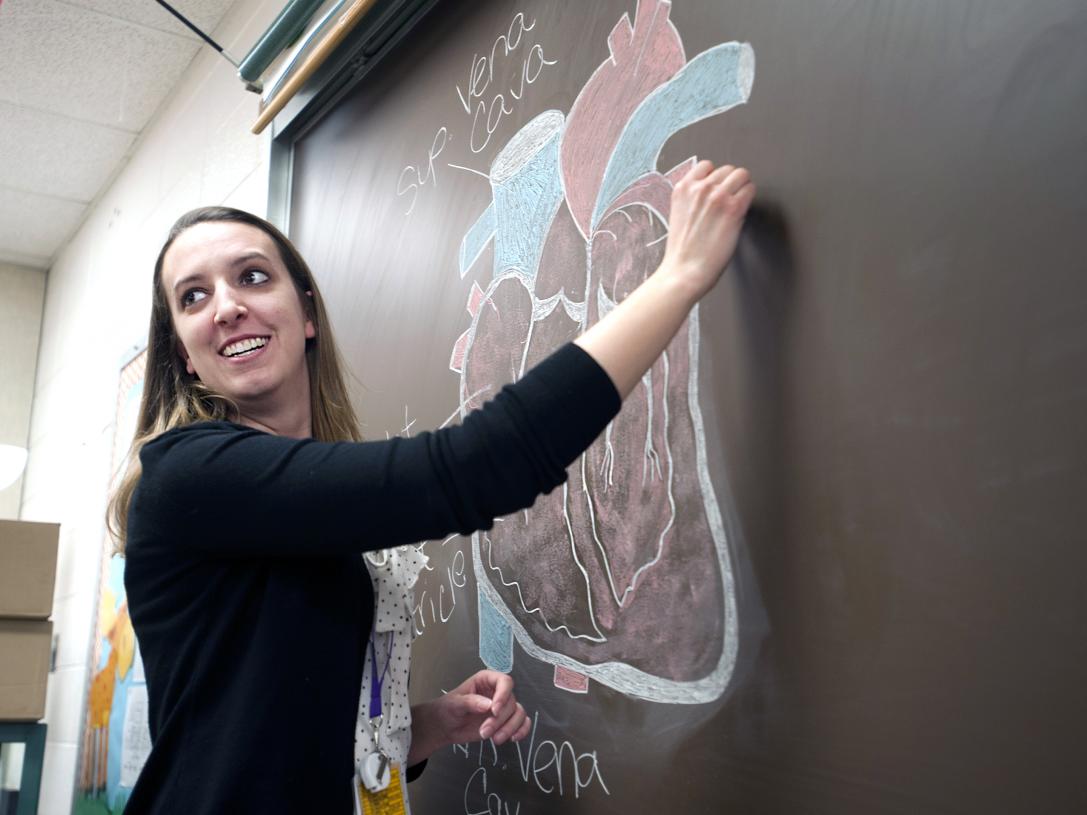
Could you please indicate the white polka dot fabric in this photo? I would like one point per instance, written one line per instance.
(393, 572)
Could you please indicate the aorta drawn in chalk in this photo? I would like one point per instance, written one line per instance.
(624, 574)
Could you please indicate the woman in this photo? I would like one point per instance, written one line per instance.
(243, 512)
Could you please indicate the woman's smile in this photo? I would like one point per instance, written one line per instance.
(244, 348)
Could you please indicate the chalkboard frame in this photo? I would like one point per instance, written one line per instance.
(378, 34)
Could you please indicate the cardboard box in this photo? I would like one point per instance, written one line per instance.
(28, 568)
(24, 668)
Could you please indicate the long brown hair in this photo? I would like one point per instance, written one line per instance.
(172, 397)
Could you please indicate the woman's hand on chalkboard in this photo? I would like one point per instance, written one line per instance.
(482, 707)
(708, 209)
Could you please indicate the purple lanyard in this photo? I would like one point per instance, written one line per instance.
(375, 680)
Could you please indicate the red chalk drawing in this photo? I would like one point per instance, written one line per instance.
(571, 680)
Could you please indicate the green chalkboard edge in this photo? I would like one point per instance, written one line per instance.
(387, 27)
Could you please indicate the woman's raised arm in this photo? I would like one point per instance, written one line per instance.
(708, 209)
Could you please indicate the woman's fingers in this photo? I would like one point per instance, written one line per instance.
(499, 718)
(489, 694)
(746, 195)
(700, 170)
(736, 179)
(498, 686)
(719, 175)
(512, 725)
(503, 693)
(474, 704)
(524, 729)
(726, 183)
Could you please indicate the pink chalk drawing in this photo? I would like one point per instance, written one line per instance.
(624, 574)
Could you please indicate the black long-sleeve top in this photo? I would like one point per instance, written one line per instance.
(251, 604)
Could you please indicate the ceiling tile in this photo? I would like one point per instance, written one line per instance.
(35, 225)
(86, 65)
(204, 14)
(54, 155)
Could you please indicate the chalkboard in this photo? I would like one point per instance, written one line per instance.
(830, 557)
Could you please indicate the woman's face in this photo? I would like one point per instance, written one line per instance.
(240, 323)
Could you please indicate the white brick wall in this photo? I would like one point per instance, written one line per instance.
(197, 150)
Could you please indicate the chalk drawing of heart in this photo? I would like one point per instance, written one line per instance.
(624, 574)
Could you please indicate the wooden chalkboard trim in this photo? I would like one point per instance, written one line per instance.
(383, 28)
(340, 29)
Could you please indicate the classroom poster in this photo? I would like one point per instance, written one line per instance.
(115, 737)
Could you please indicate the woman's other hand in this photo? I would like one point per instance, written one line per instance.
(482, 707)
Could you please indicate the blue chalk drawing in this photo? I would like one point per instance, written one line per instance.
(711, 83)
(495, 637)
(527, 190)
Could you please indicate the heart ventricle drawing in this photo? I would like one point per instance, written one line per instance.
(624, 573)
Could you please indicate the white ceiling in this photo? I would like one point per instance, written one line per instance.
(79, 80)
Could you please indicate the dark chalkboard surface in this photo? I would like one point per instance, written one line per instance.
(830, 557)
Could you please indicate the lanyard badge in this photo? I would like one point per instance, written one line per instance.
(393, 800)
(379, 788)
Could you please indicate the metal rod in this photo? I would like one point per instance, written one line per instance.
(196, 31)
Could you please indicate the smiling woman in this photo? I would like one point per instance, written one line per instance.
(175, 393)
(241, 322)
(272, 679)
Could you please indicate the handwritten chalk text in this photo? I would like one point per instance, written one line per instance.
(553, 767)
(487, 111)
(412, 178)
(437, 605)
